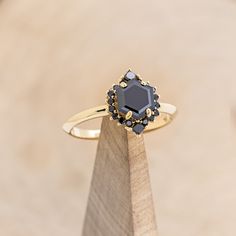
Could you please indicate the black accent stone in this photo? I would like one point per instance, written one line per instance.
(130, 75)
(121, 120)
(128, 123)
(138, 128)
(115, 87)
(145, 122)
(151, 118)
(135, 98)
(156, 97)
(110, 101)
(156, 113)
(111, 108)
(114, 116)
(157, 105)
(110, 93)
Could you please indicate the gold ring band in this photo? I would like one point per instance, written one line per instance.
(167, 112)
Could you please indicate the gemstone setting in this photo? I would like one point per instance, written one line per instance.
(130, 75)
(138, 128)
(137, 97)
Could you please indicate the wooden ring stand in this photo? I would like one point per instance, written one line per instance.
(120, 200)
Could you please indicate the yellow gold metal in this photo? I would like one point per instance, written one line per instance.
(148, 112)
(128, 115)
(143, 83)
(167, 112)
(121, 78)
(123, 84)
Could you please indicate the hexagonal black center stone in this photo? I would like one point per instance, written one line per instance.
(136, 98)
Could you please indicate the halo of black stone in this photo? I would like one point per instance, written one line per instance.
(140, 120)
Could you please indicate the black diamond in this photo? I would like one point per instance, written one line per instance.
(121, 120)
(128, 123)
(135, 98)
(110, 93)
(110, 101)
(151, 118)
(145, 122)
(156, 97)
(111, 108)
(138, 129)
(114, 116)
(157, 105)
(130, 75)
(115, 87)
(156, 113)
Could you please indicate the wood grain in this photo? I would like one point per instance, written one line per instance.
(54, 53)
(120, 200)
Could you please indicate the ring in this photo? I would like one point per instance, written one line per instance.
(133, 103)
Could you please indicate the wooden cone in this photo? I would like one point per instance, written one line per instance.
(120, 201)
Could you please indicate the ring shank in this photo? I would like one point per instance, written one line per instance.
(167, 112)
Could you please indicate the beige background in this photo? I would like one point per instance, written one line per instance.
(59, 57)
